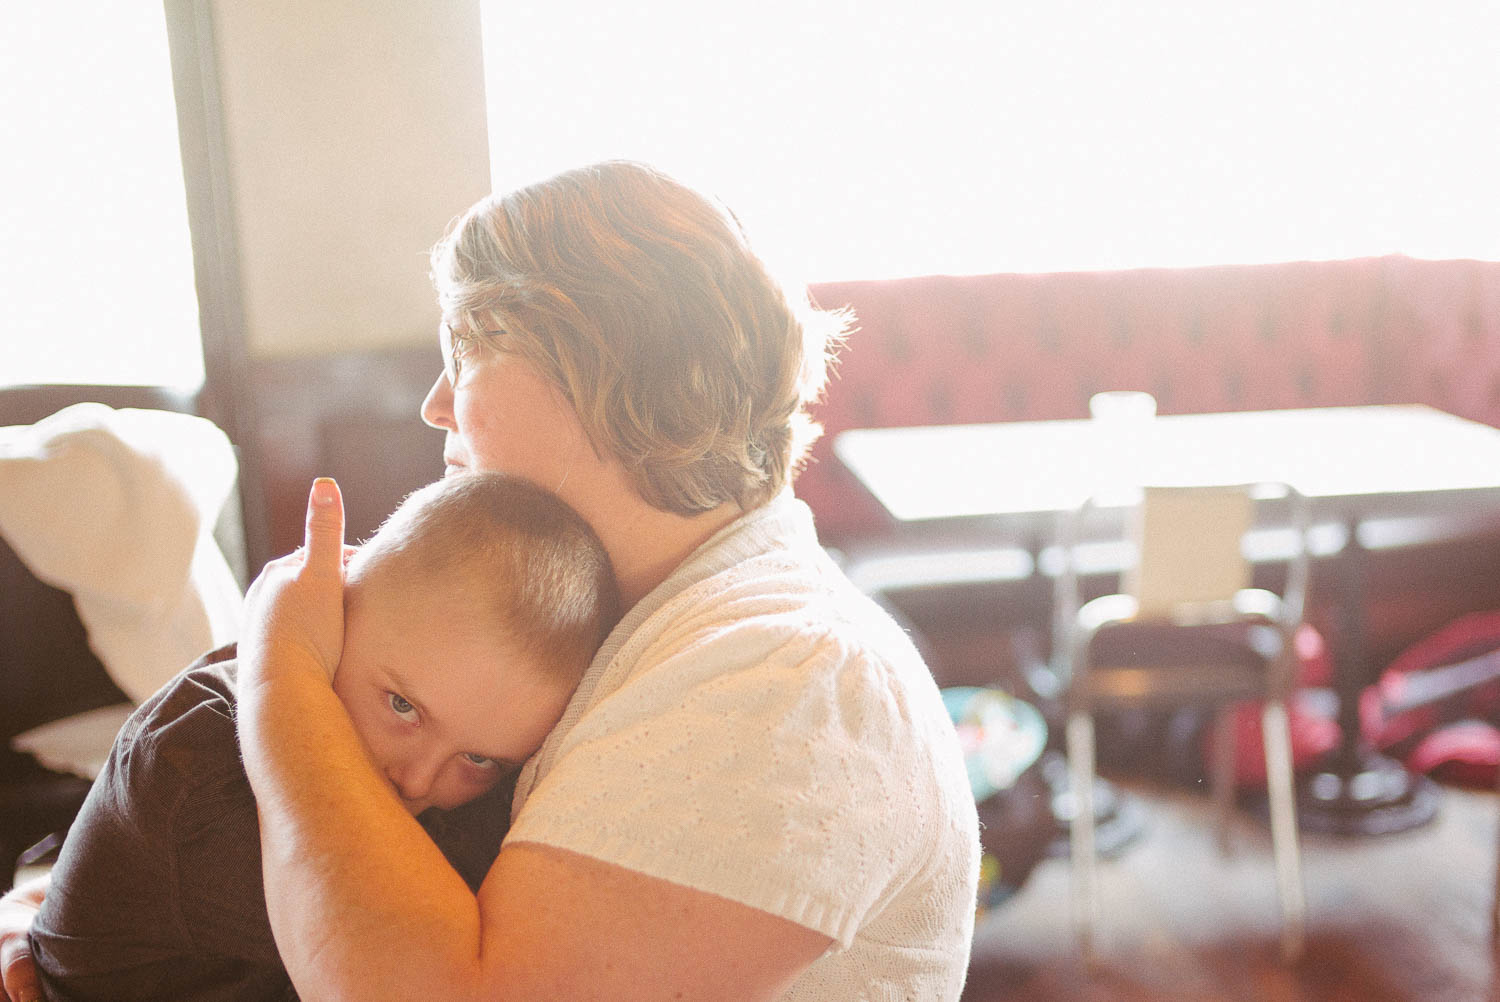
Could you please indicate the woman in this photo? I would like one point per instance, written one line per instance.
(756, 792)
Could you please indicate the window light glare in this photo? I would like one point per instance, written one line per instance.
(874, 139)
(96, 271)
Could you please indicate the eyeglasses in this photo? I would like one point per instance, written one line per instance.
(454, 344)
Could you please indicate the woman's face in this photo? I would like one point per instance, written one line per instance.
(502, 415)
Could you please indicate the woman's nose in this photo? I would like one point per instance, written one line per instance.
(437, 406)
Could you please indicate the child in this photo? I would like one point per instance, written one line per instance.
(469, 620)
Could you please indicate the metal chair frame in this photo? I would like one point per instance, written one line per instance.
(1090, 686)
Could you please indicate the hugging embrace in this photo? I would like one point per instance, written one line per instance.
(749, 790)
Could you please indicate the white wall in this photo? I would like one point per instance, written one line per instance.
(355, 132)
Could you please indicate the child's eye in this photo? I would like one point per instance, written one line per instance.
(480, 760)
(401, 708)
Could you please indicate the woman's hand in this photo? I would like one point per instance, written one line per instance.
(18, 909)
(294, 612)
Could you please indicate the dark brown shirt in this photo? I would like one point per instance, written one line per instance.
(157, 892)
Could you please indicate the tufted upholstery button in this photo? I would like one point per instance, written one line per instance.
(1267, 328)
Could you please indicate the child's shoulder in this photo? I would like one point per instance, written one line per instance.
(187, 726)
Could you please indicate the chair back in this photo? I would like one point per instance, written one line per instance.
(1189, 547)
(1185, 548)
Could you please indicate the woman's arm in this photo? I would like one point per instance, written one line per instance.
(18, 909)
(364, 905)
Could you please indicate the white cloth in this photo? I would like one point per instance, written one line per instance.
(117, 507)
(78, 744)
(759, 730)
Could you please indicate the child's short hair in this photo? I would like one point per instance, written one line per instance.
(523, 559)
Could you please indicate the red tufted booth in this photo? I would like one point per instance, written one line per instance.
(942, 349)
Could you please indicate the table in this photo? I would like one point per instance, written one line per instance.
(1011, 481)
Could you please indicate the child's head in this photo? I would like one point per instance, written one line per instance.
(469, 619)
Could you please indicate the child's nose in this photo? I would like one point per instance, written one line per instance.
(414, 778)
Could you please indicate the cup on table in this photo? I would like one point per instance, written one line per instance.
(1120, 406)
(1122, 420)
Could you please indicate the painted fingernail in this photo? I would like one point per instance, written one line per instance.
(324, 491)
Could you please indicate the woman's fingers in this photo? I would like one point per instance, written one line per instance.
(20, 984)
(295, 608)
(17, 969)
(324, 542)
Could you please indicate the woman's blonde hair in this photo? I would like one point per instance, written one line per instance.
(642, 301)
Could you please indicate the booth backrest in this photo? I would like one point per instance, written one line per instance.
(941, 350)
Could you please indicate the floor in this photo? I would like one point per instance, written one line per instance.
(1397, 917)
